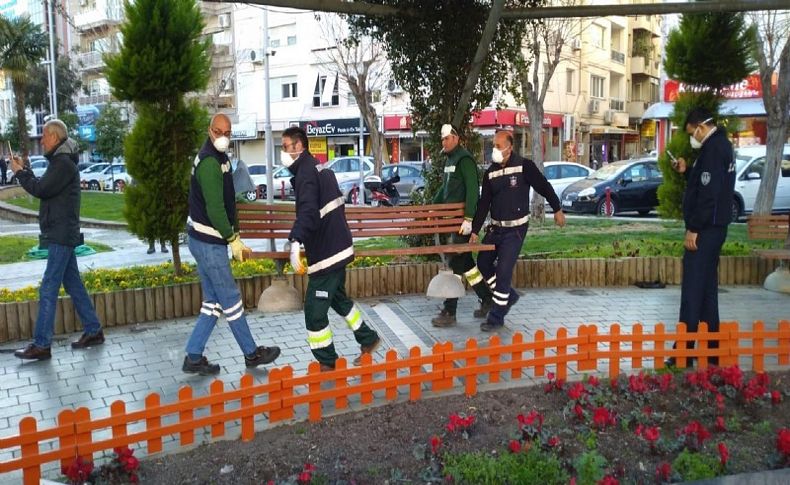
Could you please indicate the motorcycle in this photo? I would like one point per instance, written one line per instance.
(384, 193)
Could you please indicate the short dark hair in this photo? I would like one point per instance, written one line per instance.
(297, 134)
(698, 115)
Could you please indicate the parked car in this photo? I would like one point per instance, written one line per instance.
(347, 170)
(117, 177)
(38, 164)
(749, 165)
(280, 176)
(93, 175)
(562, 174)
(411, 176)
(633, 183)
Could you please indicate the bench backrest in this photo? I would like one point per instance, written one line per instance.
(769, 227)
(263, 221)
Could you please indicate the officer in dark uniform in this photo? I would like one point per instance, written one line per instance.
(322, 229)
(710, 184)
(506, 186)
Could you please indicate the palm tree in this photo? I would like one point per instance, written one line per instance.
(22, 45)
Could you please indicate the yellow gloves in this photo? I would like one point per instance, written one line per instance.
(296, 261)
(237, 248)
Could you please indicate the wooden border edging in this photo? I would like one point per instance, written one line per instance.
(125, 307)
(445, 368)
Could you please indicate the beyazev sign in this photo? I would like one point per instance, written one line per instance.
(334, 127)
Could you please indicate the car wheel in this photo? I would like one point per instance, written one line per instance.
(736, 209)
(94, 185)
(602, 207)
(262, 192)
(250, 195)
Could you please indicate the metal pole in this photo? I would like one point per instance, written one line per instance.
(267, 126)
(53, 86)
(361, 198)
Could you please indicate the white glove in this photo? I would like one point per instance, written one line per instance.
(466, 228)
(237, 248)
(296, 260)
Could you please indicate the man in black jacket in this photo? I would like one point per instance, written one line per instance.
(506, 187)
(322, 229)
(59, 220)
(710, 184)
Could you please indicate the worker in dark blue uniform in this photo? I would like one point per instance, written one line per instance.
(707, 200)
(506, 187)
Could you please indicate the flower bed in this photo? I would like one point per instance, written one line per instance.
(645, 428)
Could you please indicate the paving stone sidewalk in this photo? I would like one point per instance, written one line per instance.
(139, 359)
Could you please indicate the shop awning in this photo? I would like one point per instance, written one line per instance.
(735, 107)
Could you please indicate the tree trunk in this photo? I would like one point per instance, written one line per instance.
(535, 112)
(378, 146)
(21, 118)
(175, 248)
(773, 165)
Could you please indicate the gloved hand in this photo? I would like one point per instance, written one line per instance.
(237, 248)
(296, 260)
(466, 228)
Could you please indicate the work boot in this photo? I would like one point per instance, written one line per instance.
(327, 367)
(33, 352)
(490, 326)
(202, 367)
(445, 319)
(367, 349)
(262, 355)
(88, 340)
(485, 307)
(164, 249)
(513, 299)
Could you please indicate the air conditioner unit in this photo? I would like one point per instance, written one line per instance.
(594, 106)
(608, 116)
(257, 56)
(224, 20)
(576, 44)
(393, 87)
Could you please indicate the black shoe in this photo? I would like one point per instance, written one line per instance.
(513, 299)
(327, 367)
(151, 250)
(202, 367)
(88, 340)
(262, 355)
(485, 307)
(489, 326)
(164, 249)
(367, 349)
(445, 319)
(33, 352)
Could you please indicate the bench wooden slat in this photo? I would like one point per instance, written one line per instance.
(411, 251)
(773, 253)
(774, 227)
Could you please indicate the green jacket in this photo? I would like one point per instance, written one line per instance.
(460, 182)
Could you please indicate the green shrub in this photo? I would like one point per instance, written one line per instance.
(695, 466)
(590, 467)
(533, 467)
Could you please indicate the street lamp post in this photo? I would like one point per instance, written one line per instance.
(53, 89)
(267, 126)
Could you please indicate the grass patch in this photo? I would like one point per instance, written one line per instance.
(94, 205)
(13, 249)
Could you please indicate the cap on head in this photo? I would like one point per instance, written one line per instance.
(447, 130)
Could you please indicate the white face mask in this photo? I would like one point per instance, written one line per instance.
(285, 159)
(222, 143)
(497, 156)
(696, 144)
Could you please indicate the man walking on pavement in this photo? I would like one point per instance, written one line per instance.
(710, 184)
(3, 169)
(322, 229)
(59, 220)
(212, 227)
(460, 184)
(506, 187)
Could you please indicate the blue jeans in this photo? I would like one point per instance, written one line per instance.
(220, 295)
(62, 269)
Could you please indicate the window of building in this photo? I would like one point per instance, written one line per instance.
(326, 91)
(288, 88)
(291, 40)
(569, 81)
(274, 42)
(597, 35)
(596, 86)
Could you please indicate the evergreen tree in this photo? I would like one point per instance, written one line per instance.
(110, 133)
(164, 56)
(708, 51)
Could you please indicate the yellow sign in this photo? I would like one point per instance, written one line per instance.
(317, 145)
(649, 128)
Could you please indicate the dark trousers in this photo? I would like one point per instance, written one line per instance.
(327, 291)
(497, 266)
(463, 264)
(699, 293)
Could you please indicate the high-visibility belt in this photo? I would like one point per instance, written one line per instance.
(514, 223)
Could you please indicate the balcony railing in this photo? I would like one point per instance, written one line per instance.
(617, 104)
(618, 57)
(95, 99)
(90, 61)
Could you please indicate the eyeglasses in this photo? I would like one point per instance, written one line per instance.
(217, 132)
(289, 145)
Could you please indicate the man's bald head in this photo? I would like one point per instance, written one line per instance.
(220, 126)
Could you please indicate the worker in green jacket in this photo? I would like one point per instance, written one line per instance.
(460, 184)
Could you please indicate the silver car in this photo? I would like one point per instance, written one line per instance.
(412, 180)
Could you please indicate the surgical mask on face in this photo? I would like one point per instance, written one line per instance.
(222, 143)
(497, 156)
(695, 144)
(285, 159)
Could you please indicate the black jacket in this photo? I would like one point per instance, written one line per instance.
(320, 217)
(710, 184)
(506, 191)
(59, 191)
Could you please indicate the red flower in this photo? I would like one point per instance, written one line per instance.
(724, 454)
(647, 410)
(695, 434)
(436, 442)
(720, 425)
(602, 417)
(78, 471)
(309, 467)
(651, 434)
(593, 381)
(776, 397)
(534, 418)
(783, 442)
(637, 384)
(131, 464)
(663, 471)
(134, 478)
(554, 441)
(576, 391)
(639, 430)
(608, 480)
(550, 376)
(515, 446)
(719, 402)
(579, 411)
(304, 478)
(459, 423)
(665, 382)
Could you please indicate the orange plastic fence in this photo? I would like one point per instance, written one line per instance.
(444, 368)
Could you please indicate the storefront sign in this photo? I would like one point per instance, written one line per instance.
(397, 122)
(751, 87)
(648, 128)
(317, 145)
(87, 115)
(334, 127)
(243, 131)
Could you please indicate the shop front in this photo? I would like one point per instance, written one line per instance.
(402, 144)
(333, 138)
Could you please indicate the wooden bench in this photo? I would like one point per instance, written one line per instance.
(776, 228)
(262, 221)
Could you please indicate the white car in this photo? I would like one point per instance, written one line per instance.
(562, 174)
(281, 177)
(93, 176)
(749, 164)
(117, 177)
(347, 170)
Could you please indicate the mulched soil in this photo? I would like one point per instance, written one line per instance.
(390, 444)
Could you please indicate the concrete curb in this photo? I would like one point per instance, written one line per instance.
(11, 212)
